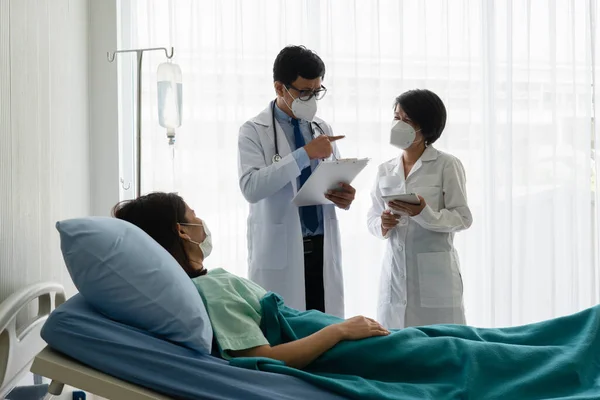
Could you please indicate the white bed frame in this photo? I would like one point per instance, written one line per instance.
(64, 370)
(22, 348)
(20, 342)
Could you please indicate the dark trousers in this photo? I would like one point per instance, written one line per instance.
(313, 273)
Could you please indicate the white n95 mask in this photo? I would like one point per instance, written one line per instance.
(206, 245)
(305, 110)
(402, 134)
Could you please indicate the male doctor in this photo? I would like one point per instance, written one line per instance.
(292, 251)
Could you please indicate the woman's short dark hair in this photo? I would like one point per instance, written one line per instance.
(427, 110)
(158, 214)
(295, 61)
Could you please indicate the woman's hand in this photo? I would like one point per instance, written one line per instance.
(407, 208)
(388, 221)
(361, 328)
(300, 353)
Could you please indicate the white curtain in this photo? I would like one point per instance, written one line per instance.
(516, 78)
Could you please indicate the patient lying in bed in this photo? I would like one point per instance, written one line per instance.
(358, 357)
(232, 302)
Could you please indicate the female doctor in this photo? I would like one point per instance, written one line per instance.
(420, 282)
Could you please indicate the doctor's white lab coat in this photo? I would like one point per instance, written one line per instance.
(420, 280)
(275, 245)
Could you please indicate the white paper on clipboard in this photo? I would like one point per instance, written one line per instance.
(327, 176)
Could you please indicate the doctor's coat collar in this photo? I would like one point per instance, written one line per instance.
(265, 118)
(430, 154)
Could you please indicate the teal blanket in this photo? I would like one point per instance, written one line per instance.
(555, 359)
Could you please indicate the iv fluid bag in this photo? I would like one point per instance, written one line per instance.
(169, 96)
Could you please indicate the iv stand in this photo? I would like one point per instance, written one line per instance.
(138, 125)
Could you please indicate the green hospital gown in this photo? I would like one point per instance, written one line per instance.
(233, 306)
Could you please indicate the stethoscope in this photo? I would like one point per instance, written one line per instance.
(277, 156)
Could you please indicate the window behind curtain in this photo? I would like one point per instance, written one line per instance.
(516, 80)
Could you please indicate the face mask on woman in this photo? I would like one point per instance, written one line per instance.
(206, 245)
(402, 135)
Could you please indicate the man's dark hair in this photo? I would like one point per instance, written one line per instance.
(297, 61)
(426, 109)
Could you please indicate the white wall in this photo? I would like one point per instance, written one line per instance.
(44, 135)
(104, 115)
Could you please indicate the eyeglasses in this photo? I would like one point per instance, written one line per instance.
(190, 224)
(306, 95)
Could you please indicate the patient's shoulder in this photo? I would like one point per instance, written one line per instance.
(218, 271)
(213, 276)
(221, 279)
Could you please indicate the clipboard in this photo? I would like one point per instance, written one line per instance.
(327, 176)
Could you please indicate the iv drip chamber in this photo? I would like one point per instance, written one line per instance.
(169, 81)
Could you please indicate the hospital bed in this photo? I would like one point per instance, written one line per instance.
(60, 368)
(20, 337)
(88, 351)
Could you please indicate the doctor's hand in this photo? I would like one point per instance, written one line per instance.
(342, 197)
(320, 147)
(407, 208)
(388, 221)
(361, 328)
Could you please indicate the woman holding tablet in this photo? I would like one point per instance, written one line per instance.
(419, 201)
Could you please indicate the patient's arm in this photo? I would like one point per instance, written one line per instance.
(300, 353)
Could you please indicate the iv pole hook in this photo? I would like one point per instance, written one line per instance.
(138, 152)
(110, 56)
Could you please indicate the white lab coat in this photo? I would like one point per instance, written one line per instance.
(420, 280)
(275, 245)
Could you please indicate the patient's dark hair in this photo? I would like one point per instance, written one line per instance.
(158, 214)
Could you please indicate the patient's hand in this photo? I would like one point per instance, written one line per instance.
(361, 328)
(298, 353)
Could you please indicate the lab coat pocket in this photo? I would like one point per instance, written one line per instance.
(391, 184)
(440, 283)
(269, 246)
(427, 180)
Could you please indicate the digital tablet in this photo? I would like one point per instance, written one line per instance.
(410, 198)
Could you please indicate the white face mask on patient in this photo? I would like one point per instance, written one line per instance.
(206, 245)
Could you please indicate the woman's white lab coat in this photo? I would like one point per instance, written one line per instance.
(420, 281)
(275, 244)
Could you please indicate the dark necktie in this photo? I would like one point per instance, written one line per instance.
(308, 213)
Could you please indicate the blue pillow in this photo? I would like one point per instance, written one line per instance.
(130, 278)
